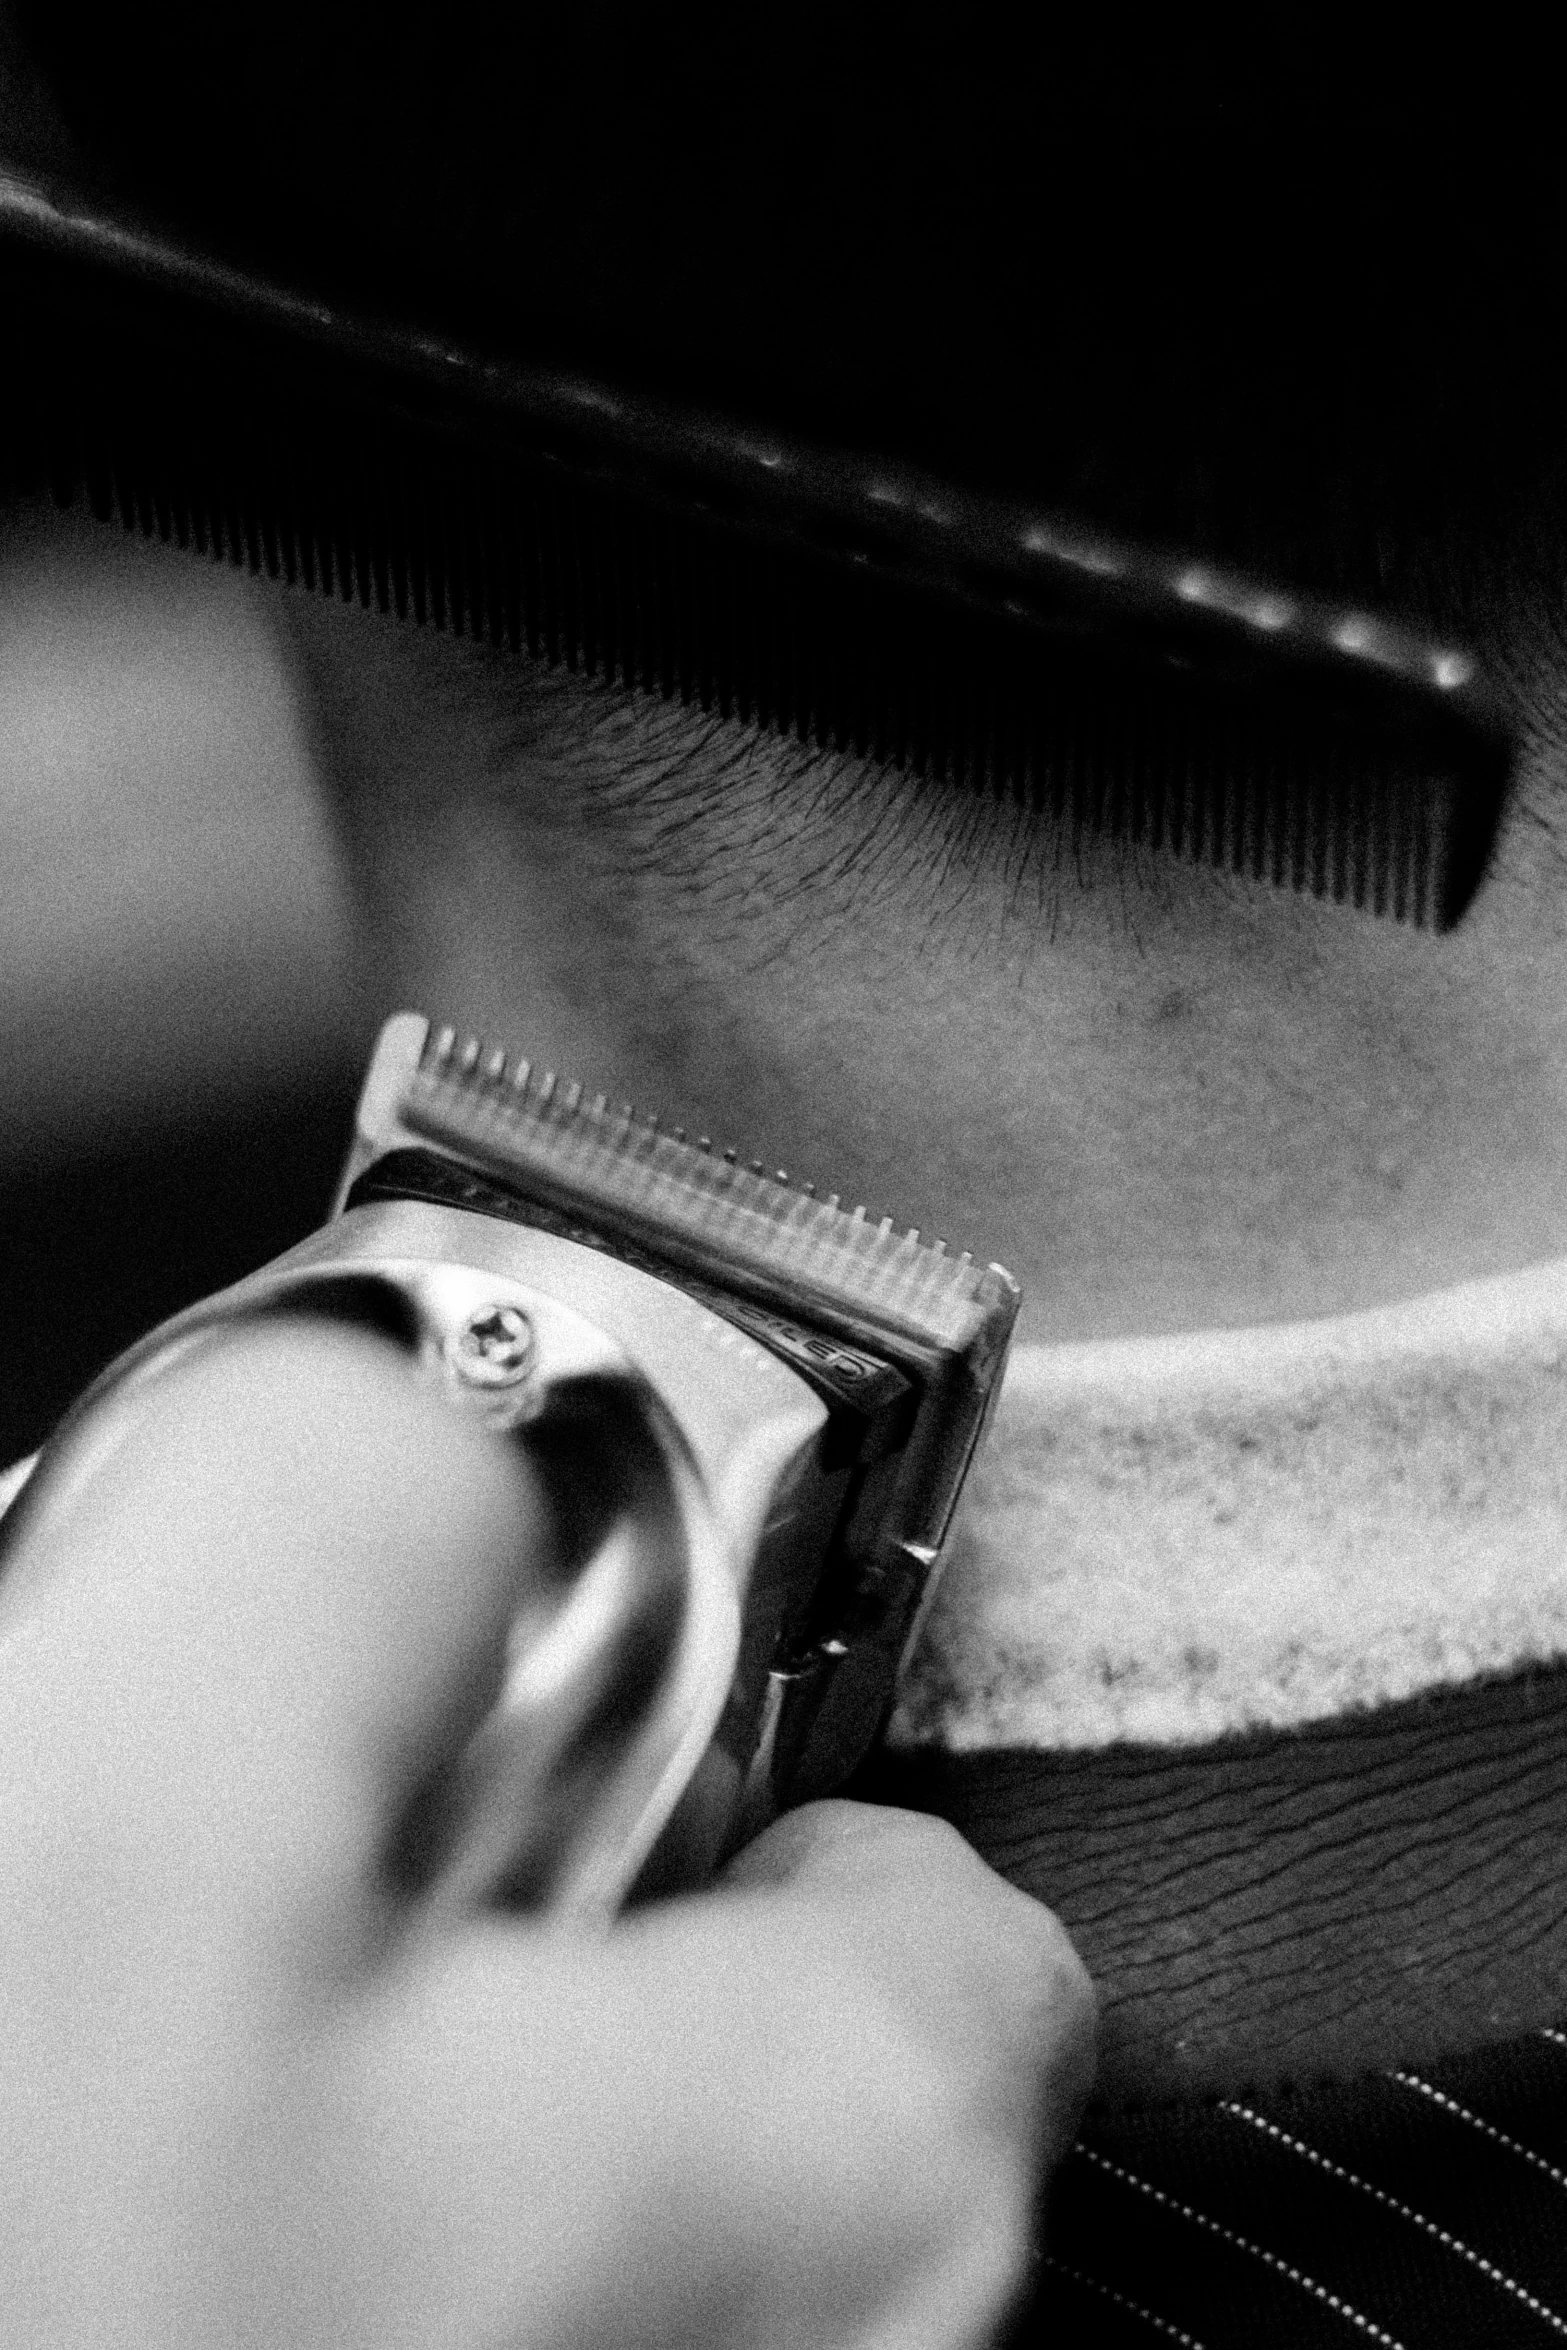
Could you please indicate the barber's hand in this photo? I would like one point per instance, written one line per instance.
(252, 2092)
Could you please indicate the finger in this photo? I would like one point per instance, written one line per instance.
(784, 2115)
(1017, 2033)
(272, 1597)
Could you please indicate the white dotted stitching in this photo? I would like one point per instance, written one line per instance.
(1160, 2324)
(1215, 2227)
(1405, 2211)
(1462, 2113)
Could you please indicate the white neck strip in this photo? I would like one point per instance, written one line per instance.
(1172, 1538)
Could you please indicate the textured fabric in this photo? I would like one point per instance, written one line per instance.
(1406, 2208)
(1256, 1529)
(1377, 1889)
(1276, 1922)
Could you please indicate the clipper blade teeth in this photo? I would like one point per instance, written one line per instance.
(555, 1142)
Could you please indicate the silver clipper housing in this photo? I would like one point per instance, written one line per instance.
(752, 1413)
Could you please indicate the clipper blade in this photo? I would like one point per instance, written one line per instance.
(697, 1210)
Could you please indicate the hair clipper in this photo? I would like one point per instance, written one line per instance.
(751, 1412)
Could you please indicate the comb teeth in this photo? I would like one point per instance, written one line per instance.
(1274, 783)
(616, 1167)
(1277, 787)
(1112, 689)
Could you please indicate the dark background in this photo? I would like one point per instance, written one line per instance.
(94, 1252)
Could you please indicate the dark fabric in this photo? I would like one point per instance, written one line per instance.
(1421, 2209)
(1285, 1905)
(1333, 2097)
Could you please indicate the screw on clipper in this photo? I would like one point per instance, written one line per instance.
(493, 1348)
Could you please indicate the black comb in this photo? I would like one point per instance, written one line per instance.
(1114, 689)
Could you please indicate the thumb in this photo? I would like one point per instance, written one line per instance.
(246, 1607)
